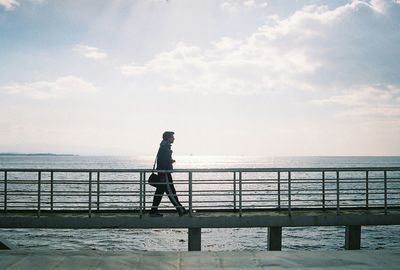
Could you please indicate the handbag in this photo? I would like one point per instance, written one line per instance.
(154, 179)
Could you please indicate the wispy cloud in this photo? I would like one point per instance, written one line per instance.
(378, 5)
(367, 101)
(60, 88)
(12, 4)
(9, 4)
(90, 52)
(233, 6)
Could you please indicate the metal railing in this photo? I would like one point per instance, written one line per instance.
(233, 189)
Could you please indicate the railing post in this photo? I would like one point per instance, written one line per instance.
(234, 191)
(190, 194)
(5, 191)
(289, 193)
(98, 191)
(52, 191)
(385, 189)
(323, 190)
(366, 189)
(39, 191)
(279, 190)
(141, 194)
(90, 194)
(240, 193)
(337, 193)
(144, 192)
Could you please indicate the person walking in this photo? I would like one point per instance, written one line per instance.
(164, 162)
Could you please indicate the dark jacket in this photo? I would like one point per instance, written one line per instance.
(164, 156)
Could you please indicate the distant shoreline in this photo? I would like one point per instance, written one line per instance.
(35, 154)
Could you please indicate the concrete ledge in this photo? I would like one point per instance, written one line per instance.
(365, 260)
(82, 222)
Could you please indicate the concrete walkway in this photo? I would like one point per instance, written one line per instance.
(77, 260)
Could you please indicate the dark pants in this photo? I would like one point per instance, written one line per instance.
(169, 189)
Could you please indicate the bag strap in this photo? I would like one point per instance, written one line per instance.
(154, 165)
(155, 161)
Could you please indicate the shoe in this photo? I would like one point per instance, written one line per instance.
(155, 214)
(183, 212)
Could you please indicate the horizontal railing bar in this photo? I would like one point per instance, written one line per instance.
(230, 195)
(307, 180)
(118, 183)
(69, 181)
(326, 169)
(46, 182)
(199, 201)
(217, 182)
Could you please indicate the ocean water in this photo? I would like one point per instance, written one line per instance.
(299, 238)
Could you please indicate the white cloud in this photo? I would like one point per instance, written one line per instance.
(229, 67)
(378, 5)
(12, 4)
(233, 6)
(249, 3)
(90, 52)
(133, 69)
(171, 64)
(369, 101)
(228, 6)
(315, 48)
(9, 4)
(60, 88)
(226, 43)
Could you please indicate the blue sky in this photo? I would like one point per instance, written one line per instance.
(230, 77)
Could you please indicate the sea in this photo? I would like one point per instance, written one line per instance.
(235, 239)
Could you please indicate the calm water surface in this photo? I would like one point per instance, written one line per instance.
(307, 238)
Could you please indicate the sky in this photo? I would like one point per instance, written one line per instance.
(229, 77)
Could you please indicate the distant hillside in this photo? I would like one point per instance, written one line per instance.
(34, 154)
